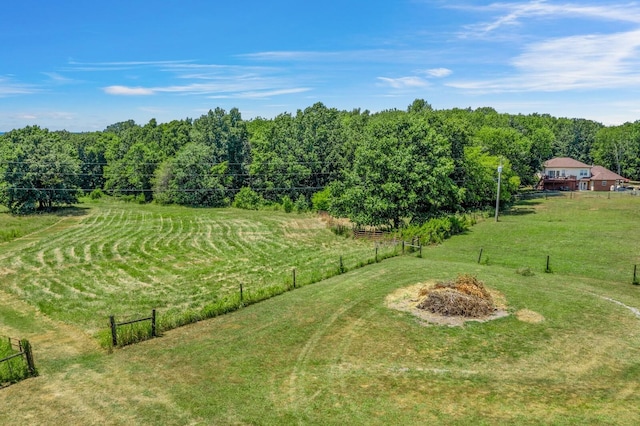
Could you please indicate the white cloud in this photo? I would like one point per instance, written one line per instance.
(128, 91)
(514, 13)
(8, 87)
(57, 78)
(438, 72)
(120, 66)
(568, 63)
(404, 82)
(270, 93)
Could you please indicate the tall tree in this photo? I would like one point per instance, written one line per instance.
(38, 170)
(192, 178)
(402, 171)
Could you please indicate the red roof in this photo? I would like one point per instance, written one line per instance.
(565, 162)
(600, 173)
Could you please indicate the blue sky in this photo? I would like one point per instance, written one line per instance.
(82, 65)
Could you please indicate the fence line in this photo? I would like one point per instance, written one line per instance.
(114, 326)
(245, 297)
(23, 350)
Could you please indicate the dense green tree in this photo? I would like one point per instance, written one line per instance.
(480, 184)
(512, 145)
(38, 170)
(402, 171)
(574, 138)
(618, 149)
(91, 149)
(297, 155)
(228, 138)
(131, 174)
(192, 178)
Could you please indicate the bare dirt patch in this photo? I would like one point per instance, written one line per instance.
(406, 299)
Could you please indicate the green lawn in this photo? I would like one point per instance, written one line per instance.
(334, 353)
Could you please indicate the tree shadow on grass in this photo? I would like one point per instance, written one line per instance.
(69, 211)
(66, 211)
(519, 211)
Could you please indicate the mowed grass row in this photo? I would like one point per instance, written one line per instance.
(126, 259)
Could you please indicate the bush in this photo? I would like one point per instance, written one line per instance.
(248, 199)
(96, 194)
(436, 230)
(320, 200)
(287, 204)
(301, 204)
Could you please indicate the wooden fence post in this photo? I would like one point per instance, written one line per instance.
(402, 246)
(376, 253)
(420, 249)
(153, 323)
(547, 270)
(635, 278)
(294, 277)
(240, 292)
(480, 255)
(114, 336)
(341, 266)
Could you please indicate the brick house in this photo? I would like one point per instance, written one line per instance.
(605, 180)
(567, 174)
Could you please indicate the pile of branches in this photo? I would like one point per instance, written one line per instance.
(466, 296)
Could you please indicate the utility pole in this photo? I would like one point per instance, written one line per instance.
(498, 195)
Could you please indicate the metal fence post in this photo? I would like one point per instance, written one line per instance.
(26, 346)
(114, 336)
(153, 323)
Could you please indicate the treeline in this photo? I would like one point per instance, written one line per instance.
(375, 168)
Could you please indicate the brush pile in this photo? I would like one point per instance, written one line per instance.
(466, 296)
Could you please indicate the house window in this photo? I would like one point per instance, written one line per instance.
(604, 183)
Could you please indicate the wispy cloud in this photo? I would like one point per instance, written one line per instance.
(404, 82)
(129, 91)
(582, 60)
(568, 63)
(212, 80)
(438, 72)
(510, 14)
(57, 78)
(43, 115)
(118, 65)
(367, 56)
(9, 87)
(271, 93)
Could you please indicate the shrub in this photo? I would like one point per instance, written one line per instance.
(287, 204)
(248, 199)
(436, 230)
(320, 200)
(301, 204)
(96, 194)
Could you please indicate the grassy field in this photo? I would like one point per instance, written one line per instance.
(126, 259)
(334, 353)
